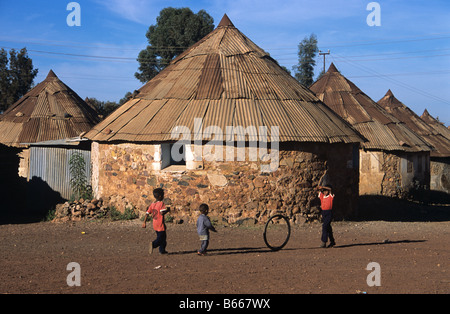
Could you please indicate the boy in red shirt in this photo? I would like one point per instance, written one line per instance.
(326, 202)
(158, 210)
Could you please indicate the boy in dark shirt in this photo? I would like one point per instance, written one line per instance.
(203, 227)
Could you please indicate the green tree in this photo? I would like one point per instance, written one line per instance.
(104, 108)
(16, 76)
(304, 70)
(174, 32)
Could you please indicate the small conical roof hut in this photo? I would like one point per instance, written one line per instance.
(226, 80)
(383, 130)
(436, 139)
(49, 111)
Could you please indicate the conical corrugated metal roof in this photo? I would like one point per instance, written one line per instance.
(49, 111)
(382, 130)
(433, 137)
(435, 124)
(226, 80)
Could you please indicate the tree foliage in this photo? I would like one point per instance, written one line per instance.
(105, 108)
(174, 32)
(304, 70)
(16, 76)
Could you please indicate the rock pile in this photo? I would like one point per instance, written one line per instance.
(81, 209)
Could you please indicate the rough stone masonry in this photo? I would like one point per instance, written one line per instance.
(234, 190)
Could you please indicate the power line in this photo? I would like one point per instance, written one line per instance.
(101, 58)
(74, 44)
(69, 44)
(372, 42)
(132, 60)
(402, 74)
(385, 42)
(389, 54)
(402, 58)
(394, 81)
(335, 56)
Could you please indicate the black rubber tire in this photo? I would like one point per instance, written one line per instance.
(288, 233)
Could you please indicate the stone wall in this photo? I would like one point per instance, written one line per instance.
(440, 174)
(234, 190)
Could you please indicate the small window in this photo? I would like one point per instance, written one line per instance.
(173, 155)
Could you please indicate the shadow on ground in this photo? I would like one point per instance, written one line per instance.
(434, 207)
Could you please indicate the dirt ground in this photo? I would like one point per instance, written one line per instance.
(113, 257)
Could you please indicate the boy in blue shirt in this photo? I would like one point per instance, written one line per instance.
(203, 227)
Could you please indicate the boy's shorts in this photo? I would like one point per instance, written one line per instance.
(204, 237)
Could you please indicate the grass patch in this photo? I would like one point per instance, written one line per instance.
(128, 214)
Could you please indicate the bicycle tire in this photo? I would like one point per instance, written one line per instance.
(288, 234)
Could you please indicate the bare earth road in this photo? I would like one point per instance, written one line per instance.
(113, 257)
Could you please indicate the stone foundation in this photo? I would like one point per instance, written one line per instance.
(234, 190)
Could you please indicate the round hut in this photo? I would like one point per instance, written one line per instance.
(438, 137)
(37, 130)
(395, 159)
(224, 124)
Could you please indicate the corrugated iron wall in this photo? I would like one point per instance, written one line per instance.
(51, 165)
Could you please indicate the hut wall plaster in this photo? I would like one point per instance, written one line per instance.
(393, 175)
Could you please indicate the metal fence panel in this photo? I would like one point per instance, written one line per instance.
(51, 165)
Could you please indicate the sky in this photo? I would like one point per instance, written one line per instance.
(407, 51)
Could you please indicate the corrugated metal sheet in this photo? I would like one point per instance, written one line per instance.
(210, 85)
(51, 165)
(49, 111)
(378, 136)
(382, 130)
(220, 113)
(228, 81)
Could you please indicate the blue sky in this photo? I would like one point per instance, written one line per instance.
(408, 53)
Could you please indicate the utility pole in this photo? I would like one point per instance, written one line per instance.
(324, 54)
